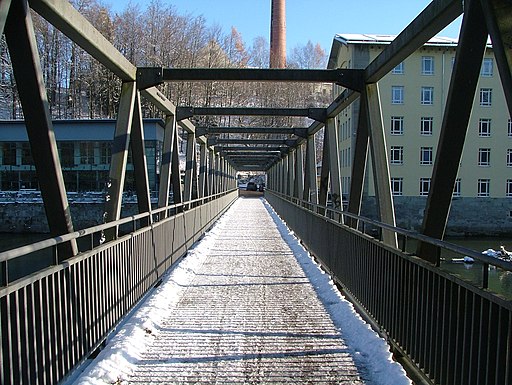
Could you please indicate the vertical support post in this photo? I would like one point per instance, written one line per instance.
(190, 165)
(310, 183)
(291, 174)
(165, 169)
(380, 164)
(140, 167)
(203, 168)
(177, 191)
(217, 174)
(211, 172)
(334, 163)
(21, 41)
(470, 51)
(119, 159)
(299, 172)
(324, 172)
(360, 160)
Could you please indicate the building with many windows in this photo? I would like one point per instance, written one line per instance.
(85, 148)
(413, 98)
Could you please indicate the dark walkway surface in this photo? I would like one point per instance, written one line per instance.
(248, 313)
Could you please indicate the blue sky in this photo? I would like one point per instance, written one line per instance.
(315, 20)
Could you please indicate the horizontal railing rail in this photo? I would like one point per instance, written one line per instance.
(446, 330)
(53, 319)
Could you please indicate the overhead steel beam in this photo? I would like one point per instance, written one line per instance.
(22, 45)
(465, 76)
(252, 153)
(301, 132)
(75, 26)
(275, 142)
(498, 19)
(318, 114)
(348, 78)
(250, 148)
(437, 15)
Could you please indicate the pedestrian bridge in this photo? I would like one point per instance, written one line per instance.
(61, 308)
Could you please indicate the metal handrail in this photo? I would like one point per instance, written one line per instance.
(407, 233)
(51, 242)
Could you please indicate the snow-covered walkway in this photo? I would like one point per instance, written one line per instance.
(246, 306)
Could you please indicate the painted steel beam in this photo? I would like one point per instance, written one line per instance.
(380, 162)
(325, 170)
(203, 168)
(498, 19)
(437, 15)
(334, 163)
(165, 168)
(310, 179)
(75, 26)
(301, 132)
(349, 78)
(140, 167)
(360, 160)
(177, 191)
(274, 142)
(219, 148)
(190, 167)
(182, 113)
(463, 84)
(22, 45)
(4, 11)
(119, 158)
(252, 153)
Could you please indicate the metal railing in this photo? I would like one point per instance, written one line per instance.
(53, 319)
(446, 330)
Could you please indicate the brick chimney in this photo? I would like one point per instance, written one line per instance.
(278, 34)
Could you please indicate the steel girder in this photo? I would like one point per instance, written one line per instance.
(349, 78)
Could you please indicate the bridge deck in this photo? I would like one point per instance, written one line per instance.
(246, 308)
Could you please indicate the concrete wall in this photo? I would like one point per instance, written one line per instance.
(468, 216)
(31, 217)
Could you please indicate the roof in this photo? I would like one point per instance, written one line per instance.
(358, 38)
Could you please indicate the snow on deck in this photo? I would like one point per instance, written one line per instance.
(246, 305)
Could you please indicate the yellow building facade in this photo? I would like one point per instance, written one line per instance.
(413, 98)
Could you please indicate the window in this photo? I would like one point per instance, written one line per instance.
(427, 95)
(456, 189)
(484, 157)
(427, 65)
(426, 155)
(510, 128)
(397, 95)
(397, 186)
(424, 186)
(485, 97)
(86, 153)
(509, 157)
(26, 154)
(67, 154)
(426, 125)
(397, 155)
(509, 188)
(484, 187)
(484, 127)
(397, 125)
(487, 67)
(399, 69)
(9, 154)
(105, 153)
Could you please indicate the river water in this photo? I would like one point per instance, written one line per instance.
(499, 281)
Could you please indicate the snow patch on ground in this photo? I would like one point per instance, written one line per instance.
(117, 360)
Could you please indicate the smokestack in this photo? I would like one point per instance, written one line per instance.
(278, 34)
